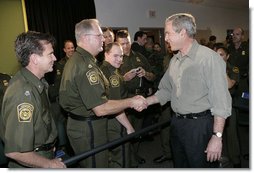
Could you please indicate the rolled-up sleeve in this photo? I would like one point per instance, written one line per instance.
(218, 95)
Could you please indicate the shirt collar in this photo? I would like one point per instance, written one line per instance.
(39, 84)
(192, 52)
(86, 54)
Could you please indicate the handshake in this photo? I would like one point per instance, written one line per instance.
(139, 103)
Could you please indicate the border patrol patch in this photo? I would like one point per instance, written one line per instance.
(114, 80)
(235, 69)
(25, 112)
(92, 77)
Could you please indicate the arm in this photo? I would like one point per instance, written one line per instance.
(214, 147)
(152, 100)
(116, 106)
(231, 82)
(122, 118)
(31, 159)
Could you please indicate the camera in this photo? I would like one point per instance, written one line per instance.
(138, 69)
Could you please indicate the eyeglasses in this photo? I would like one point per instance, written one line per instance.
(98, 35)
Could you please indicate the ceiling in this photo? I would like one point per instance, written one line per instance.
(232, 4)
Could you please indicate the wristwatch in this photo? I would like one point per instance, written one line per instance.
(218, 134)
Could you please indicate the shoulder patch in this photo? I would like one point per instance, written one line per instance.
(25, 112)
(235, 69)
(114, 80)
(92, 77)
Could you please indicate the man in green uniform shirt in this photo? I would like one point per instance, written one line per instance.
(84, 95)
(28, 129)
(119, 156)
(137, 73)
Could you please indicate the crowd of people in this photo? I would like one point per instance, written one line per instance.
(108, 87)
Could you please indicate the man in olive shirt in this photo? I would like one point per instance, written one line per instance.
(196, 85)
(83, 94)
(27, 127)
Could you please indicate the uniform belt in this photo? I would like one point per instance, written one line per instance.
(45, 147)
(193, 115)
(82, 118)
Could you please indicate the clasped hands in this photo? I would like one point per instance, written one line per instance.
(140, 72)
(139, 103)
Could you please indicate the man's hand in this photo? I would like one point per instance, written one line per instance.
(214, 149)
(139, 103)
(130, 75)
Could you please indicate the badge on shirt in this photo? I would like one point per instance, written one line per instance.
(92, 77)
(243, 52)
(58, 72)
(138, 59)
(5, 83)
(114, 81)
(235, 69)
(25, 112)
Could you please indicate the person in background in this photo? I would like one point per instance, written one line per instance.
(211, 42)
(231, 142)
(140, 39)
(84, 96)
(27, 127)
(4, 82)
(109, 36)
(196, 85)
(58, 114)
(239, 57)
(119, 156)
(136, 71)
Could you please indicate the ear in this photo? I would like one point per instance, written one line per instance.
(34, 59)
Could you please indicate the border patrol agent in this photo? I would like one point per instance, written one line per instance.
(84, 95)
(29, 131)
(119, 156)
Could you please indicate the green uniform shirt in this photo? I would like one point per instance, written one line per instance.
(135, 60)
(117, 88)
(83, 84)
(233, 73)
(26, 117)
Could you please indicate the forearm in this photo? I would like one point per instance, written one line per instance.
(30, 159)
(112, 107)
(218, 124)
(152, 100)
(122, 119)
(149, 76)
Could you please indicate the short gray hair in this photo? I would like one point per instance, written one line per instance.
(183, 21)
(84, 27)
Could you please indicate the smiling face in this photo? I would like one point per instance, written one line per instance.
(47, 59)
(114, 55)
(173, 38)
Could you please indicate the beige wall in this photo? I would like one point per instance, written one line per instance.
(11, 24)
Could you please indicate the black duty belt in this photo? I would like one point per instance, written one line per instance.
(82, 118)
(193, 115)
(45, 147)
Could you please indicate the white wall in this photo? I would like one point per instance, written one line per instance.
(134, 14)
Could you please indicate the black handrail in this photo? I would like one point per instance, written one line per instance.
(115, 142)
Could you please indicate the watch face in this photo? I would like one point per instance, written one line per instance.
(218, 134)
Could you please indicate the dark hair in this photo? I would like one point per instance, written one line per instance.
(122, 34)
(107, 29)
(31, 42)
(139, 34)
(224, 49)
(212, 38)
(109, 46)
